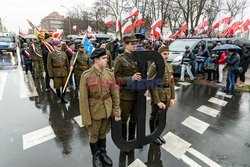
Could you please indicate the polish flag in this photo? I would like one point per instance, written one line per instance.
(225, 20)
(118, 25)
(74, 28)
(157, 23)
(133, 12)
(184, 27)
(57, 34)
(246, 25)
(156, 32)
(128, 26)
(138, 21)
(109, 20)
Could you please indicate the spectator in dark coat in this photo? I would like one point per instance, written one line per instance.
(211, 66)
(26, 58)
(243, 66)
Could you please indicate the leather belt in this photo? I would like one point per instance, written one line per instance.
(103, 97)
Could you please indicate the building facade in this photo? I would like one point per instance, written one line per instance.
(53, 21)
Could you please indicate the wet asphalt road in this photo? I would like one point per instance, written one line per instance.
(226, 141)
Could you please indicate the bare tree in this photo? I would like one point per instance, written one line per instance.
(234, 7)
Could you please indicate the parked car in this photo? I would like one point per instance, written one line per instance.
(8, 44)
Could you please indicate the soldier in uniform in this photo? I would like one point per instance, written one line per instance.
(58, 69)
(125, 69)
(46, 47)
(110, 63)
(161, 98)
(82, 63)
(37, 58)
(99, 100)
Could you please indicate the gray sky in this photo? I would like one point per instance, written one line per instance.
(15, 12)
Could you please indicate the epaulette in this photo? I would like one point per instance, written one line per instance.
(86, 71)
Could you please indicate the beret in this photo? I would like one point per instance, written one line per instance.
(98, 53)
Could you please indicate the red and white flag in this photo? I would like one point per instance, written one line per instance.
(133, 12)
(118, 25)
(246, 25)
(109, 20)
(157, 23)
(225, 20)
(74, 28)
(138, 21)
(157, 32)
(127, 27)
(57, 34)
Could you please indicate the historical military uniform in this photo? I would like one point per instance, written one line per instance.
(37, 59)
(110, 62)
(99, 100)
(163, 95)
(58, 69)
(125, 67)
(82, 64)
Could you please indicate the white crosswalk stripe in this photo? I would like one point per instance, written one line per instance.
(202, 157)
(195, 124)
(189, 161)
(175, 145)
(184, 83)
(137, 163)
(3, 78)
(224, 94)
(78, 120)
(176, 87)
(208, 110)
(218, 101)
(38, 137)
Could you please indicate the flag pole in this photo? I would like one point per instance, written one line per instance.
(70, 72)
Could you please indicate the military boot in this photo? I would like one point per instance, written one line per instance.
(131, 130)
(95, 155)
(152, 128)
(63, 98)
(58, 93)
(124, 131)
(163, 141)
(103, 156)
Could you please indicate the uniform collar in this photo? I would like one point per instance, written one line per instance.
(96, 71)
(127, 54)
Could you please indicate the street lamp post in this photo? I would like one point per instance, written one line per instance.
(69, 21)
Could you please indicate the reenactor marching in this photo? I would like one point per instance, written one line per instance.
(110, 62)
(37, 58)
(125, 68)
(82, 64)
(161, 98)
(47, 48)
(99, 100)
(58, 69)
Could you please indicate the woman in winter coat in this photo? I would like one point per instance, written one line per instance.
(221, 64)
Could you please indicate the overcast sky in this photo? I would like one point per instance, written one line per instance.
(15, 12)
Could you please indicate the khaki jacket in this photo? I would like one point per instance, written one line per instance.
(57, 64)
(124, 69)
(98, 101)
(37, 53)
(82, 61)
(164, 94)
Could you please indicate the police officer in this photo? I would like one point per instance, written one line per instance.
(99, 99)
(58, 69)
(37, 58)
(125, 69)
(82, 63)
(46, 47)
(161, 98)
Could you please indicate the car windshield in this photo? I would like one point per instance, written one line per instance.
(5, 39)
(179, 45)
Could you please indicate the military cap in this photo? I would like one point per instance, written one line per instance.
(79, 45)
(187, 47)
(58, 43)
(98, 53)
(163, 48)
(46, 36)
(129, 38)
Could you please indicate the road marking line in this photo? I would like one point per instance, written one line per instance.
(78, 120)
(202, 157)
(195, 124)
(218, 101)
(188, 161)
(38, 137)
(137, 163)
(176, 87)
(224, 94)
(208, 110)
(175, 145)
(24, 90)
(3, 78)
(184, 83)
